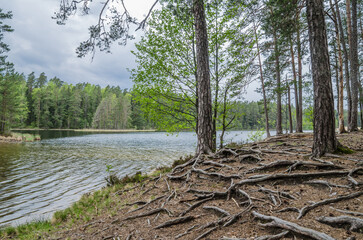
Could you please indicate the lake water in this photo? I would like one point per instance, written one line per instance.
(39, 178)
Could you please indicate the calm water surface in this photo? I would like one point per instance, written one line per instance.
(37, 179)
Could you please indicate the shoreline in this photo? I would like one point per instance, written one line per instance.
(19, 138)
(86, 130)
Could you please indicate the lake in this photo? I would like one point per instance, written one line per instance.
(39, 178)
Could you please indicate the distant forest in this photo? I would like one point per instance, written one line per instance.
(54, 104)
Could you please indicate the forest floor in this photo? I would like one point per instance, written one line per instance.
(271, 189)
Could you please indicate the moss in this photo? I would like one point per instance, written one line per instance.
(343, 150)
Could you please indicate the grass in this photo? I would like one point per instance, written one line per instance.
(32, 230)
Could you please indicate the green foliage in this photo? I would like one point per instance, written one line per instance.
(13, 107)
(165, 83)
(256, 135)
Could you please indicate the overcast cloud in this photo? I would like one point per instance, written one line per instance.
(38, 44)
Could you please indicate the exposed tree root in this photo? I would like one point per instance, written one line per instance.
(281, 194)
(152, 212)
(186, 232)
(268, 177)
(356, 224)
(195, 205)
(348, 212)
(220, 212)
(217, 164)
(146, 204)
(326, 183)
(176, 221)
(273, 237)
(249, 158)
(218, 175)
(306, 209)
(293, 165)
(293, 227)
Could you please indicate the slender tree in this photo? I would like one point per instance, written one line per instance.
(354, 66)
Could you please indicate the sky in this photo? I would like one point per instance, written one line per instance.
(39, 45)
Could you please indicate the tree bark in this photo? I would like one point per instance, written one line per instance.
(289, 105)
(299, 127)
(324, 119)
(278, 86)
(340, 87)
(354, 66)
(297, 106)
(205, 138)
(262, 83)
(346, 61)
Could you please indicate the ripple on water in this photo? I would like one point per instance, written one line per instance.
(37, 179)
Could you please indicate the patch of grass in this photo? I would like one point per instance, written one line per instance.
(343, 150)
(32, 230)
(137, 178)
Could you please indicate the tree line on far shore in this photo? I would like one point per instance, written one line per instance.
(36, 102)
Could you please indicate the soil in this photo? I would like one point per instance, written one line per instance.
(233, 194)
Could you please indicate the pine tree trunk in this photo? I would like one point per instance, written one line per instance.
(340, 85)
(262, 83)
(216, 92)
(289, 105)
(349, 93)
(278, 87)
(346, 61)
(205, 139)
(324, 119)
(354, 66)
(299, 126)
(297, 106)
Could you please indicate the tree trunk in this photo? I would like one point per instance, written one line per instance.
(299, 127)
(289, 105)
(216, 105)
(349, 30)
(278, 87)
(205, 138)
(297, 106)
(324, 119)
(340, 77)
(346, 61)
(354, 66)
(262, 83)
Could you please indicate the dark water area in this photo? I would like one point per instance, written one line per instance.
(39, 178)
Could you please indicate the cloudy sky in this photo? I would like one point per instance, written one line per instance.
(38, 44)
